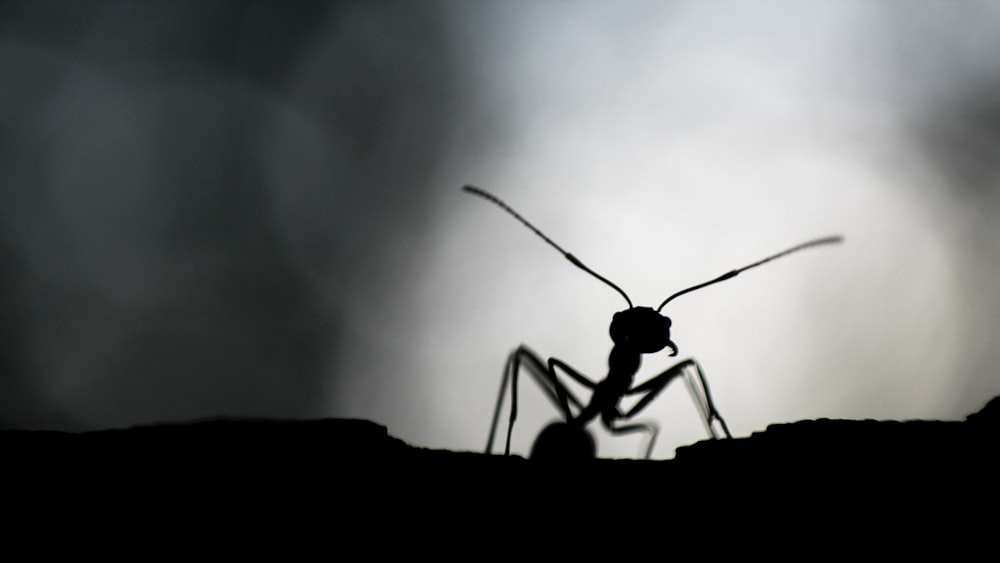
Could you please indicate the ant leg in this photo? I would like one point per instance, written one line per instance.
(701, 394)
(496, 410)
(653, 387)
(546, 378)
(650, 427)
(577, 376)
(703, 397)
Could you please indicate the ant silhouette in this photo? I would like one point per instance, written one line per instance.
(634, 331)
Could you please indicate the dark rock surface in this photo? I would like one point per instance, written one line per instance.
(356, 467)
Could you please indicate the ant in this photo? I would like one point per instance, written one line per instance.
(634, 331)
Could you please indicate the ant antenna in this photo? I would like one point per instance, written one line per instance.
(576, 262)
(734, 273)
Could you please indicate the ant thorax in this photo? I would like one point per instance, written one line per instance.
(623, 364)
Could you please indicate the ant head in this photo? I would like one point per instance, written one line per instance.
(642, 329)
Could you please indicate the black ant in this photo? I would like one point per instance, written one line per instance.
(634, 331)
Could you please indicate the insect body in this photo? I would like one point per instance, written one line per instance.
(635, 331)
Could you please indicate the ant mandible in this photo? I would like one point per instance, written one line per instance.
(634, 331)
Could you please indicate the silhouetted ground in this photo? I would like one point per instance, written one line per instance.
(264, 469)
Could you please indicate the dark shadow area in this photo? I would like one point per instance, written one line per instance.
(23, 402)
(148, 273)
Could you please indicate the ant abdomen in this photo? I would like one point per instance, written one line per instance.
(563, 441)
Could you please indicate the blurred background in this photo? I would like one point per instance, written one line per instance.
(253, 208)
